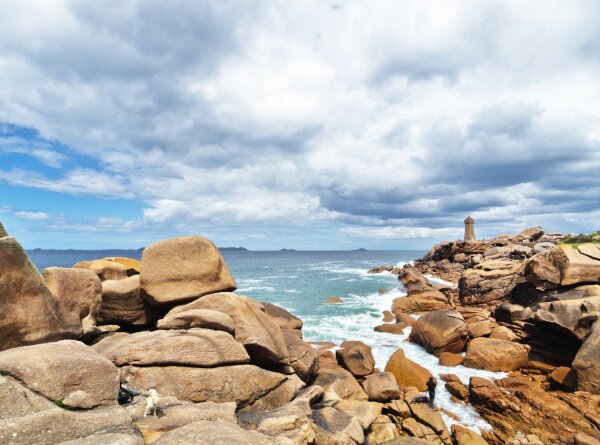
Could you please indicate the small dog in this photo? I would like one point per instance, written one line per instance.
(152, 402)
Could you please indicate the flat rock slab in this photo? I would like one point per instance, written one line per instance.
(67, 371)
(58, 425)
(194, 347)
(243, 384)
(219, 432)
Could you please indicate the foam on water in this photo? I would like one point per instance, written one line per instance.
(355, 320)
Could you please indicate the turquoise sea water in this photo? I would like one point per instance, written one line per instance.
(301, 282)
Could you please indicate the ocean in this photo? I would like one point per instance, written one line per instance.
(301, 282)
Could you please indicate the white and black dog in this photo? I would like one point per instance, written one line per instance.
(152, 402)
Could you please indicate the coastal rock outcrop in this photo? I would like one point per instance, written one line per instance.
(198, 318)
(381, 387)
(67, 372)
(108, 270)
(259, 334)
(179, 270)
(78, 293)
(407, 372)
(357, 358)
(122, 304)
(302, 356)
(587, 362)
(29, 311)
(495, 355)
(193, 347)
(441, 331)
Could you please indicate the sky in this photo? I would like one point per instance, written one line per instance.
(297, 124)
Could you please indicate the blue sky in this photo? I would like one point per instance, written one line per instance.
(299, 124)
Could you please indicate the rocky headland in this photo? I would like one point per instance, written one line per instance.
(233, 370)
(526, 304)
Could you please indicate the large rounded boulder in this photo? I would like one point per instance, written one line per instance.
(122, 303)
(29, 311)
(587, 362)
(441, 331)
(179, 270)
(254, 329)
(407, 372)
(495, 355)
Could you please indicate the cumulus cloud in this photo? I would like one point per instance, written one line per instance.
(392, 119)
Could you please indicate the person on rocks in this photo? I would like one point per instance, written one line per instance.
(431, 385)
(126, 394)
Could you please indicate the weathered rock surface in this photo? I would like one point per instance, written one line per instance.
(562, 266)
(193, 347)
(450, 359)
(465, 436)
(567, 317)
(17, 400)
(198, 318)
(528, 408)
(284, 319)
(243, 384)
(66, 371)
(108, 270)
(587, 362)
(430, 300)
(303, 358)
(132, 266)
(490, 283)
(432, 419)
(122, 303)
(407, 372)
(336, 422)
(213, 432)
(78, 293)
(337, 383)
(563, 378)
(356, 358)
(57, 425)
(391, 328)
(179, 270)
(495, 355)
(29, 311)
(259, 334)
(441, 331)
(381, 387)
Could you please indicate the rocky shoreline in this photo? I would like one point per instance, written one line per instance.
(233, 370)
(524, 304)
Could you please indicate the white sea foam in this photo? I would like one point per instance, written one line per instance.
(359, 314)
(255, 288)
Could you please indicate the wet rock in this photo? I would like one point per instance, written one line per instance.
(356, 358)
(391, 328)
(122, 304)
(450, 359)
(388, 317)
(402, 317)
(423, 302)
(67, 372)
(194, 347)
(179, 270)
(407, 372)
(334, 300)
(381, 387)
(78, 293)
(441, 331)
(259, 334)
(458, 390)
(495, 355)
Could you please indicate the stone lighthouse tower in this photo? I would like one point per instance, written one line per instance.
(469, 229)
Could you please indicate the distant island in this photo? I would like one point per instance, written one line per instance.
(362, 249)
(287, 250)
(234, 249)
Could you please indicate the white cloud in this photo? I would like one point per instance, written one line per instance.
(36, 216)
(400, 117)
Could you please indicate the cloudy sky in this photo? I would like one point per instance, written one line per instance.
(301, 124)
